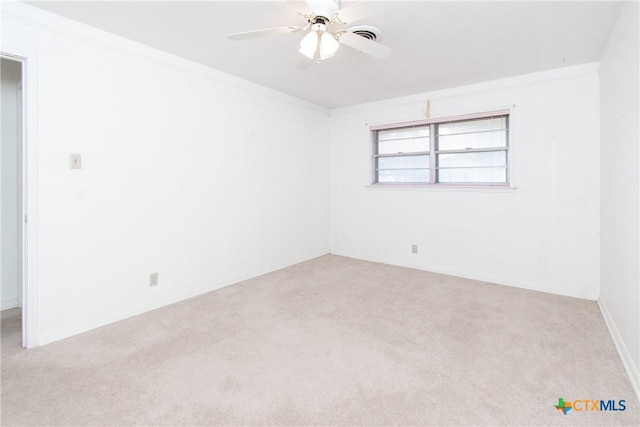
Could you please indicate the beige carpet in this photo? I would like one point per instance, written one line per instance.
(332, 341)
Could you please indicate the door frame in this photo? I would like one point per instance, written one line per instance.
(28, 151)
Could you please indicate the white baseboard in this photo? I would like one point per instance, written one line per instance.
(623, 351)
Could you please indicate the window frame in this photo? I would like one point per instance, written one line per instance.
(434, 151)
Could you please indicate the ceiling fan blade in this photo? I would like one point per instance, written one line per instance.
(364, 45)
(299, 6)
(364, 9)
(264, 32)
(326, 8)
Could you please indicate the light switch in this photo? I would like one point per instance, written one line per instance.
(75, 161)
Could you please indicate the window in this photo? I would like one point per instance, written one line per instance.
(470, 150)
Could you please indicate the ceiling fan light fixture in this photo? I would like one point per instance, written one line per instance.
(319, 43)
(309, 44)
(328, 45)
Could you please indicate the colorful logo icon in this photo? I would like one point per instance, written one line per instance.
(588, 405)
(563, 406)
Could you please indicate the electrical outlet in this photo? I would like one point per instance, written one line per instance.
(153, 279)
(414, 249)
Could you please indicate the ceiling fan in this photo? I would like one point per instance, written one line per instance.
(325, 29)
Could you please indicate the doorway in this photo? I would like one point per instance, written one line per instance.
(12, 212)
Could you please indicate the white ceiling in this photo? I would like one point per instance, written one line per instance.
(436, 44)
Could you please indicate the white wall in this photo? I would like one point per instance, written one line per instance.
(188, 172)
(543, 235)
(620, 187)
(10, 95)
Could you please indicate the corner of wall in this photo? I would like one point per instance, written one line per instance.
(619, 299)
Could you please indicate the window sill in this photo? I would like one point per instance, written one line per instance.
(441, 187)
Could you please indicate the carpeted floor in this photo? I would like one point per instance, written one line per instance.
(331, 341)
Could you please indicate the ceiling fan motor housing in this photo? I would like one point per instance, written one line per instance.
(324, 8)
(320, 20)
